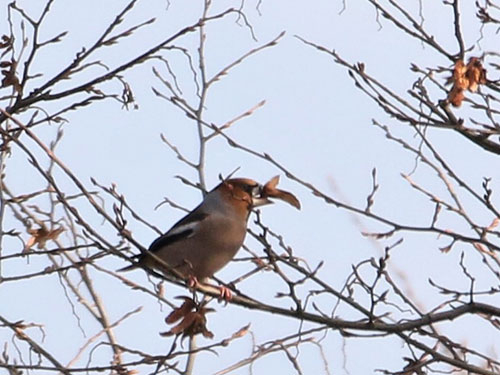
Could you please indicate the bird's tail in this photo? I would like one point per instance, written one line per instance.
(127, 268)
(133, 266)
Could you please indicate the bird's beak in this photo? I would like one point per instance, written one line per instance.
(260, 201)
(257, 198)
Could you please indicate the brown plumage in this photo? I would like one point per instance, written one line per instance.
(208, 238)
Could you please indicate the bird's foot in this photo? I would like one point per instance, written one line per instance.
(192, 282)
(225, 293)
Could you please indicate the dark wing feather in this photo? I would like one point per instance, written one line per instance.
(170, 238)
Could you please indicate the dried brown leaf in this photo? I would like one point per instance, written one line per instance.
(40, 236)
(193, 320)
(459, 75)
(456, 96)
(241, 332)
(475, 74)
(180, 312)
(186, 324)
(271, 191)
(446, 249)
(6, 41)
(465, 77)
(31, 241)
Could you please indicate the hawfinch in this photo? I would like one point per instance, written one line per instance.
(207, 238)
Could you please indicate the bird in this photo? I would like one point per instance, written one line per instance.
(208, 237)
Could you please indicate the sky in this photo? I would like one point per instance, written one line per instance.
(314, 121)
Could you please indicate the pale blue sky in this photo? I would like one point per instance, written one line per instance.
(315, 122)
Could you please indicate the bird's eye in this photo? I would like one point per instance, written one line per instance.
(254, 190)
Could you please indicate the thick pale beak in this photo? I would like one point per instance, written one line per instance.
(257, 198)
(260, 201)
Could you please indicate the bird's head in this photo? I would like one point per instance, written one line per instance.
(245, 192)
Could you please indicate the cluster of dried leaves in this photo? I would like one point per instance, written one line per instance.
(8, 67)
(40, 236)
(192, 319)
(465, 77)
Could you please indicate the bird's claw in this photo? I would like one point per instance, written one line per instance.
(192, 282)
(225, 294)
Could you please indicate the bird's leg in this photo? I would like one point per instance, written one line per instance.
(192, 282)
(225, 293)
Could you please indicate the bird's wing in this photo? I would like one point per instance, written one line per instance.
(183, 229)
